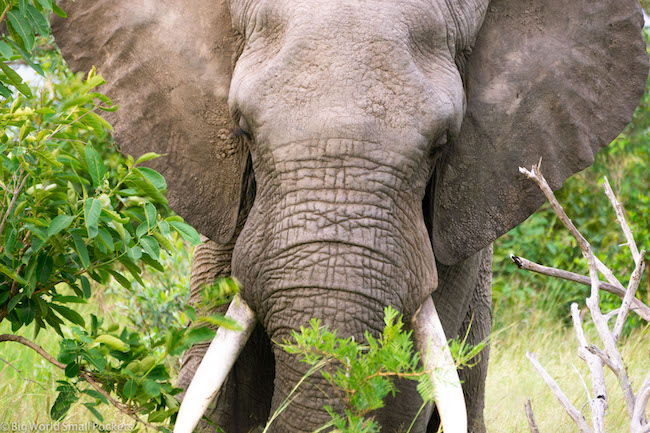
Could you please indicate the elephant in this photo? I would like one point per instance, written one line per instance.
(341, 156)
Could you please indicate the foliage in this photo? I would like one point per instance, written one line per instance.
(542, 238)
(161, 302)
(74, 210)
(363, 373)
(124, 364)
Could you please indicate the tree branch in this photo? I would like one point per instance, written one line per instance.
(563, 399)
(620, 216)
(531, 417)
(636, 305)
(86, 376)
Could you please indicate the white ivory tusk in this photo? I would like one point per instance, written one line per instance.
(215, 366)
(430, 340)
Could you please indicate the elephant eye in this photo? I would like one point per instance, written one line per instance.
(442, 140)
(243, 130)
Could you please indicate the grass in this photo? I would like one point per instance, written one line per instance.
(27, 396)
(512, 378)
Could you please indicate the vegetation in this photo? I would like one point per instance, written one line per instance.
(79, 221)
(541, 238)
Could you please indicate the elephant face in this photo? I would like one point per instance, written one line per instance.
(371, 136)
(341, 164)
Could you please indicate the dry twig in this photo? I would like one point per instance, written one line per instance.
(637, 306)
(594, 356)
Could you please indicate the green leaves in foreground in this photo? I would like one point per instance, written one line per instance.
(362, 373)
(133, 370)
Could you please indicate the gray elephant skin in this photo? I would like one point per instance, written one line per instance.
(346, 155)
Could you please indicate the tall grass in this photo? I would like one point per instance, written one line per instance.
(512, 378)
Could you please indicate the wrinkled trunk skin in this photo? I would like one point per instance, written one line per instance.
(335, 233)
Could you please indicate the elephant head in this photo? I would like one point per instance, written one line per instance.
(354, 141)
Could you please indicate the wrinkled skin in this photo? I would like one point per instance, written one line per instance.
(336, 230)
(463, 301)
(377, 159)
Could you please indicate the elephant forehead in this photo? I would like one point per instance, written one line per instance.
(391, 65)
(454, 22)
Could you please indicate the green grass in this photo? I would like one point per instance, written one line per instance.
(27, 396)
(512, 378)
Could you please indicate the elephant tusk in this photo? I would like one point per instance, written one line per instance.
(215, 366)
(431, 341)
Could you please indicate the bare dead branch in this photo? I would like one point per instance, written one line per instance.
(620, 216)
(592, 348)
(598, 403)
(638, 417)
(531, 418)
(575, 415)
(636, 305)
(632, 287)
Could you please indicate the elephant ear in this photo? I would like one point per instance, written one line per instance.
(168, 65)
(550, 79)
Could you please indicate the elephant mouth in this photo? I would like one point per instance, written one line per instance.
(220, 357)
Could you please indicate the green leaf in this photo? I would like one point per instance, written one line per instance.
(152, 388)
(72, 369)
(14, 301)
(133, 269)
(22, 28)
(120, 279)
(68, 299)
(80, 246)
(220, 320)
(92, 211)
(187, 232)
(5, 92)
(57, 10)
(59, 223)
(161, 415)
(112, 342)
(38, 20)
(12, 274)
(156, 179)
(95, 165)
(91, 408)
(69, 314)
(16, 80)
(63, 403)
(47, 4)
(100, 120)
(96, 394)
(27, 58)
(199, 335)
(150, 246)
(150, 212)
(85, 286)
(147, 157)
(6, 51)
(130, 388)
